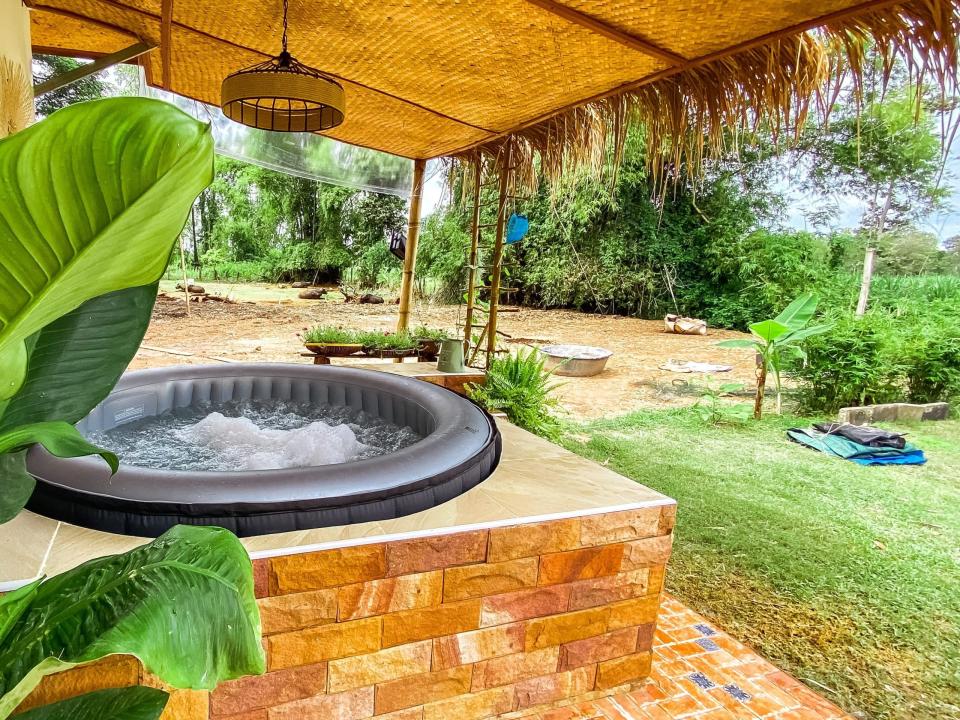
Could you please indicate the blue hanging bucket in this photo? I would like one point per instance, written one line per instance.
(517, 227)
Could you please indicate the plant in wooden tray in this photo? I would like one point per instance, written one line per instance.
(519, 386)
(388, 344)
(429, 339)
(778, 340)
(331, 340)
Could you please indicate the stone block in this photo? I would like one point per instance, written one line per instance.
(284, 613)
(596, 649)
(524, 604)
(471, 647)
(606, 528)
(460, 583)
(558, 686)
(378, 597)
(434, 553)
(448, 619)
(516, 541)
(512, 668)
(273, 688)
(378, 667)
(327, 568)
(473, 706)
(623, 670)
(647, 553)
(668, 518)
(581, 564)
(422, 689)
(645, 635)
(609, 589)
(352, 705)
(112, 671)
(327, 642)
(892, 412)
(567, 627)
(639, 611)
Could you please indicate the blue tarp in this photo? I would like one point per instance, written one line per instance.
(841, 447)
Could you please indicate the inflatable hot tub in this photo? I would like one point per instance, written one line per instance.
(460, 448)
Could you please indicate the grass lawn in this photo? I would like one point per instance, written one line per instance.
(846, 576)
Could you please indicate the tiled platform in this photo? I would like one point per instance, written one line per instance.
(702, 673)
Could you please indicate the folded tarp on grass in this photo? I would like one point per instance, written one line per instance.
(841, 447)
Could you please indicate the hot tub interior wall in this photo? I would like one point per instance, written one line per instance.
(129, 405)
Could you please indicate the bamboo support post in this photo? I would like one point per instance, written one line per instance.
(868, 262)
(186, 283)
(505, 169)
(473, 261)
(410, 252)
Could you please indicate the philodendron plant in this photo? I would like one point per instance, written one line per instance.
(91, 202)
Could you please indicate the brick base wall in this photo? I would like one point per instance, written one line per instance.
(466, 625)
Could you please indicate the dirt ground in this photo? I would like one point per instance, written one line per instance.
(263, 323)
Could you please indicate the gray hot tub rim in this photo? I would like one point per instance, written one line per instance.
(461, 448)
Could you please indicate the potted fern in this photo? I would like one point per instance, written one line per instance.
(331, 341)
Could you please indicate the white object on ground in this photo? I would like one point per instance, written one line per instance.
(257, 448)
(689, 366)
(575, 360)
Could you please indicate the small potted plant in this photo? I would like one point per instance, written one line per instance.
(331, 341)
(388, 344)
(429, 340)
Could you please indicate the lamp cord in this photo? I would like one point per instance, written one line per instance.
(284, 41)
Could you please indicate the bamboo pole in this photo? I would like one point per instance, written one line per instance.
(865, 283)
(473, 259)
(497, 260)
(410, 252)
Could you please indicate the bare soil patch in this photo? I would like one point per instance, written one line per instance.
(264, 329)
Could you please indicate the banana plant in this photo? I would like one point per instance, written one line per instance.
(183, 605)
(777, 339)
(91, 201)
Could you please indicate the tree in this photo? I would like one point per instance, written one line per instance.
(48, 66)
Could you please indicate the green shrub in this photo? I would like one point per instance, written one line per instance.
(376, 340)
(430, 334)
(519, 386)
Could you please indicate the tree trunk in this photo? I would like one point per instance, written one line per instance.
(761, 387)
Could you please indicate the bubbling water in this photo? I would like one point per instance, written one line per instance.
(253, 435)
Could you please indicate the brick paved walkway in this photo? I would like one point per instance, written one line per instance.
(702, 673)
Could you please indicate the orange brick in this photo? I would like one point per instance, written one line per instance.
(551, 688)
(647, 553)
(273, 688)
(471, 647)
(511, 668)
(379, 597)
(328, 568)
(352, 705)
(472, 706)
(655, 580)
(580, 564)
(391, 664)
(415, 713)
(524, 604)
(260, 714)
(433, 553)
(283, 613)
(516, 541)
(645, 637)
(422, 689)
(639, 611)
(668, 519)
(609, 589)
(261, 578)
(606, 528)
(623, 670)
(448, 619)
(595, 649)
(186, 705)
(565, 628)
(460, 583)
(326, 642)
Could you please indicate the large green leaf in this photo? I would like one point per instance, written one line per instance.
(769, 330)
(13, 604)
(75, 361)
(16, 486)
(806, 332)
(738, 343)
(91, 200)
(57, 437)
(182, 604)
(126, 703)
(799, 312)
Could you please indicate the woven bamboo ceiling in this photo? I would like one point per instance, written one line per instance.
(431, 78)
